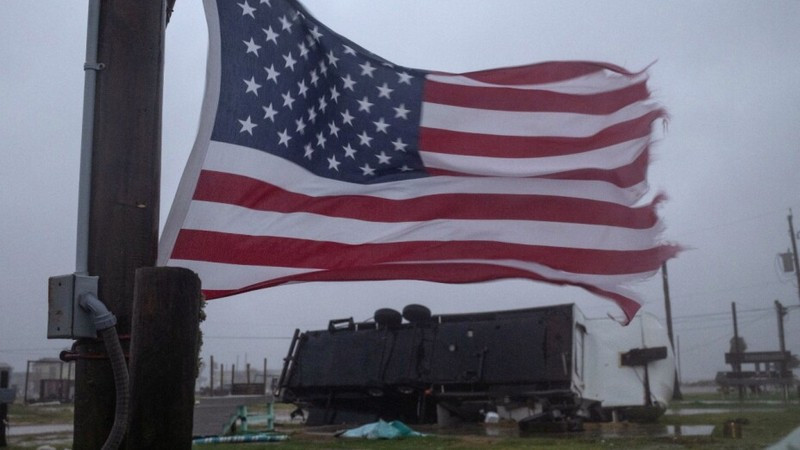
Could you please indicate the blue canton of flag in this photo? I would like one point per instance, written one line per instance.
(293, 88)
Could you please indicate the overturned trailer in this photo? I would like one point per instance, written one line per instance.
(536, 365)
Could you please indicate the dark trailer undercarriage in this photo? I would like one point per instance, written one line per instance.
(430, 368)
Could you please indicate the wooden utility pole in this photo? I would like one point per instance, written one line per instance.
(676, 392)
(792, 237)
(124, 203)
(164, 358)
(785, 373)
(781, 310)
(737, 367)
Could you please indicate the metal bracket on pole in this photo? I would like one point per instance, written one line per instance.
(94, 66)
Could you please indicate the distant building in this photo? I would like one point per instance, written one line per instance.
(49, 380)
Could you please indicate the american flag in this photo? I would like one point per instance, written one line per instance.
(317, 160)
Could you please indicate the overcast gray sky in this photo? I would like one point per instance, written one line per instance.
(727, 72)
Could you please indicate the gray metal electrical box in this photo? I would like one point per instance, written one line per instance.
(65, 318)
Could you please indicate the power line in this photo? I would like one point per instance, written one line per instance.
(706, 343)
(736, 221)
(728, 289)
(722, 314)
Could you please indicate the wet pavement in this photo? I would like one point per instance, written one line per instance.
(212, 413)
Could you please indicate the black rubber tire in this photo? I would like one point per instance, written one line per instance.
(417, 313)
(388, 317)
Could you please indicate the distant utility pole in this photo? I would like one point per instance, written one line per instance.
(211, 377)
(678, 355)
(793, 238)
(737, 366)
(781, 311)
(676, 393)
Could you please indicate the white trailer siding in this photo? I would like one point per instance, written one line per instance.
(605, 379)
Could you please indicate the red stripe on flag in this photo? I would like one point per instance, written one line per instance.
(624, 177)
(302, 253)
(250, 193)
(547, 72)
(511, 99)
(439, 272)
(473, 144)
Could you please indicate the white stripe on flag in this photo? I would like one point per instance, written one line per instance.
(611, 157)
(235, 159)
(219, 217)
(526, 124)
(594, 83)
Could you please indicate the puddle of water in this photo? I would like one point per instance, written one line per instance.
(648, 430)
(690, 430)
(595, 430)
(694, 411)
(26, 430)
(746, 402)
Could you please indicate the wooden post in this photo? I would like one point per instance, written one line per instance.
(70, 382)
(3, 408)
(163, 367)
(211, 377)
(61, 382)
(265, 375)
(124, 203)
(27, 380)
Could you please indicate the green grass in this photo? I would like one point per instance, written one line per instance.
(19, 414)
(764, 424)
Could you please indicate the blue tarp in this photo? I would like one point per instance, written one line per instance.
(790, 442)
(381, 430)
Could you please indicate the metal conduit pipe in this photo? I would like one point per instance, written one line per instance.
(105, 322)
(90, 68)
